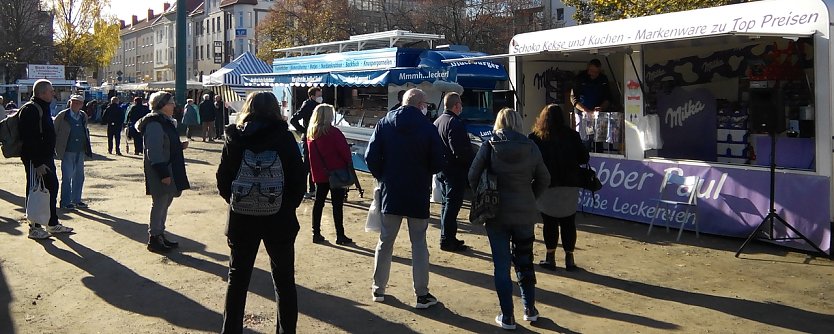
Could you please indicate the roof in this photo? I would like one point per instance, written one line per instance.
(190, 6)
(139, 26)
(385, 39)
(225, 3)
(230, 74)
(199, 10)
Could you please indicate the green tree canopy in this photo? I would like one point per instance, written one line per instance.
(301, 22)
(84, 37)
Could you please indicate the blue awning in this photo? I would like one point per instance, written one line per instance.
(478, 74)
(396, 76)
(230, 74)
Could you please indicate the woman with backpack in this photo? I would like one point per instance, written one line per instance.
(329, 151)
(522, 176)
(262, 178)
(563, 153)
(165, 176)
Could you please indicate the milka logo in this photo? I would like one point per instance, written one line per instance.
(709, 66)
(652, 75)
(676, 117)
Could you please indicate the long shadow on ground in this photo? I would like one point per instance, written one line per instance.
(123, 288)
(6, 322)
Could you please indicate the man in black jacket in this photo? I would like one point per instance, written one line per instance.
(37, 134)
(459, 156)
(207, 117)
(306, 111)
(114, 117)
(220, 118)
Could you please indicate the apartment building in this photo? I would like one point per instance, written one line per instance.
(223, 30)
(134, 59)
(165, 44)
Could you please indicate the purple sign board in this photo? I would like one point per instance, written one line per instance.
(731, 201)
(682, 111)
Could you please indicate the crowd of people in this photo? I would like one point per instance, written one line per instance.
(263, 176)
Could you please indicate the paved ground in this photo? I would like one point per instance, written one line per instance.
(102, 280)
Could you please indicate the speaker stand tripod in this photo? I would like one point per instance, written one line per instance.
(772, 216)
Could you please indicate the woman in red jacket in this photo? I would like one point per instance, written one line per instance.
(329, 151)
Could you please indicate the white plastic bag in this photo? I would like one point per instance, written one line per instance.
(436, 190)
(37, 205)
(374, 221)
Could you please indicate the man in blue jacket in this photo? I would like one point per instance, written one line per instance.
(459, 156)
(403, 154)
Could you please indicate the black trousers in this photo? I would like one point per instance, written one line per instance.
(551, 228)
(51, 181)
(138, 143)
(305, 157)
(244, 239)
(114, 133)
(337, 199)
(219, 124)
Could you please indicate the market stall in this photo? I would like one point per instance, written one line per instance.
(228, 81)
(697, 93)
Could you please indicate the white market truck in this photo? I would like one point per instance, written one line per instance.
(698, 93)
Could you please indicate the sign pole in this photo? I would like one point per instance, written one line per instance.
(181, 75)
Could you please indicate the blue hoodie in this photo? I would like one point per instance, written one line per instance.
(404, 152)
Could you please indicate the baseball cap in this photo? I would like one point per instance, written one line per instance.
(76, 97)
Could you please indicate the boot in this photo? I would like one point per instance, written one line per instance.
(549, 261)
(570, 265)
(169, 243)
(156, 244)
(343, 240)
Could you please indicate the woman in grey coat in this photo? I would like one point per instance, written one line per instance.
(522, 176)
(165, 176)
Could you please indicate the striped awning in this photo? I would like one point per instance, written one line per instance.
(230, 75)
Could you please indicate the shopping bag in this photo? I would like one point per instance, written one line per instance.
(374, 221)
(37, 205)
(436, 190)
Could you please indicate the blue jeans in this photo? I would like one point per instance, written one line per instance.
(513, 243)
(72, 177)
(452, 191)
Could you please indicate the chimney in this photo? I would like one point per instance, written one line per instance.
(166, 6)
(135, 20)
(122, 24)
(150, 14)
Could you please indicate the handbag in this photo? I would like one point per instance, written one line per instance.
(588, 179)
(374, 221)
(37, 203)
(339, 178)
(485, 203)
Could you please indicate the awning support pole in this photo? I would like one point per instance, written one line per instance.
(637, 74)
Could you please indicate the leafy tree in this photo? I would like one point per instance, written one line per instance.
(589, 11)
(84, 37)
(301, 22)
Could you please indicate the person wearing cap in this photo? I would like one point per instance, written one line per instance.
(72, 145)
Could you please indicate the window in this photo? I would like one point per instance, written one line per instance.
(240, 19)
(249, 20)
(560, 14)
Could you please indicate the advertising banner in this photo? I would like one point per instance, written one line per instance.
(731, 201)
(46, 71)
(688, 123)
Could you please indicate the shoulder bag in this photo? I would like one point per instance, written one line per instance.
(339, 178)
(485, 203)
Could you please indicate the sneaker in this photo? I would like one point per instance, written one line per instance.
(423, 302)
(454, 246)
(378, 297)
(505, 322)
(310, 195)
(38, 233)
(68, 207)
(343, 240)
(531, 314)
(81, 205)
(55, 229)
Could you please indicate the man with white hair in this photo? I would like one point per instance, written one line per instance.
(404, 152)
(71, 146)
(37, 134)
(207, 117)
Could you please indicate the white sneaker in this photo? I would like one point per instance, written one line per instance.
(58, 229)
(37, 233)
(378, 297)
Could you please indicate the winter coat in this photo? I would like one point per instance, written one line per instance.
(37, 134)
(458, 152)
(134, 114)
(207, 111)
(62, 133)
(259, 136)
(113, 115)
(562, 154)
(403, 153)
(163, 155)
(522, 176)
(191, 116)
(330, 150)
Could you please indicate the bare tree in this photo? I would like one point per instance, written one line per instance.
(27, 36)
